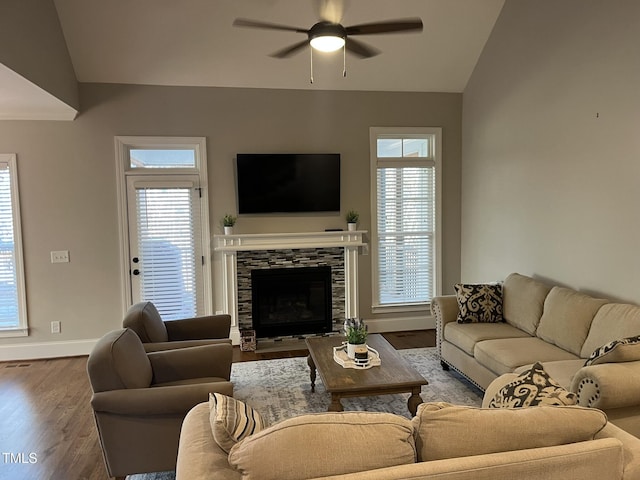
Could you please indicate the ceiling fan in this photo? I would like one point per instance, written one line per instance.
(329, 35)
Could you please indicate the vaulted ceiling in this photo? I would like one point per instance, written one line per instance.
(193, 43)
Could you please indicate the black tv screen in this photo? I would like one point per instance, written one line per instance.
(286, 182)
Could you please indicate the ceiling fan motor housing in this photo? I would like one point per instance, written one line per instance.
(327, 29)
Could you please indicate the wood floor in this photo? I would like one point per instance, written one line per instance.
(46, 423)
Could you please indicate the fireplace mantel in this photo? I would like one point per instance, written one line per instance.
(277, 241)
(228, 246)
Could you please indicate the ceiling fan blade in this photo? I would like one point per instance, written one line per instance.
(244, 22)
(391, 26)
(360, 49)
(331, 10)
(288, 51)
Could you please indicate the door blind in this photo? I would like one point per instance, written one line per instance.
(166, 244)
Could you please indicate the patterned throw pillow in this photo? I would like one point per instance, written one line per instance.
(479, 303)
(532, 387)
(232, 420)
(623, 350)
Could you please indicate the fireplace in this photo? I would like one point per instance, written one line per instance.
(291, 301)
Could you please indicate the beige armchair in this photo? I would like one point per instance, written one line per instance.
(156, 334)
(140, 399)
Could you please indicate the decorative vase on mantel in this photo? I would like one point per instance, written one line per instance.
(356, 332)
(352, 220)
(228, 221)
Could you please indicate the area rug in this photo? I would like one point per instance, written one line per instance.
(281, 389)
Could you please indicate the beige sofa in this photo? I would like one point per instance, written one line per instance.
(557, 327)
(442, 442)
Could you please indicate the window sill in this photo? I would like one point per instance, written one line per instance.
(14, 332)
(416, 307)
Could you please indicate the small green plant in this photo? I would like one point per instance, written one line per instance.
(355, 330)
(229, 220)
(352, 216)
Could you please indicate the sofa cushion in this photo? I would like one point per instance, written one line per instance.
(449, 431)
(317, 445)
(505, 355)
(532, 388)
(623, 350)
(612, 322)
(523, 301)
(232, 420)
(479, 302)
(567, 318)
(465, 336)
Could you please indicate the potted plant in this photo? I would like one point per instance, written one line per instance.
(228, 221)
(352, 219)
(356, 332)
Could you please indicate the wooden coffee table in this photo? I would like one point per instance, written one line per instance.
(394, 375)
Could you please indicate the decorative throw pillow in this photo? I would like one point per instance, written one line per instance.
(479, 302)
(532, 387)
(623, 350)
(232, 420)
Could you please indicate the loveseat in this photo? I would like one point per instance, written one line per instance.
(561, 328)
(441, 442)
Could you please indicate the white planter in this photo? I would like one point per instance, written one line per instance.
(228, 230)
(351, 227)
(352, 347)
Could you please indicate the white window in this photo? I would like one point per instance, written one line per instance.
(405, 233)
(13, 310)
(165, 224)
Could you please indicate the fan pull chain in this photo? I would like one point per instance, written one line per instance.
(311, 63)
(344, 60)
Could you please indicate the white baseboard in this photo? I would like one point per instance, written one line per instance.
(35, 351)
(381, 325)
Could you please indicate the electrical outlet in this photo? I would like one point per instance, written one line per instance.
(60, 256)
(55, 327)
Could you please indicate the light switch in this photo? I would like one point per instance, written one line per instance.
(60, 256)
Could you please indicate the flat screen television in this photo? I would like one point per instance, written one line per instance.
(288, 183)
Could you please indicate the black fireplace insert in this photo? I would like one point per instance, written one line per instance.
(291, 301)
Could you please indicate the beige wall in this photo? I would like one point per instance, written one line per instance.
(33, 46)
(68, 180)
(551, 147)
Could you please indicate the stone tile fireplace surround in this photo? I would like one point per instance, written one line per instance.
(242, 253)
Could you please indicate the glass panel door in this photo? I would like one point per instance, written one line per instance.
(164, 243)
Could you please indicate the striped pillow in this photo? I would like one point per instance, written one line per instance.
(232, 420)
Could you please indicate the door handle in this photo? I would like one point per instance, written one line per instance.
(135, 259)
(136, 271)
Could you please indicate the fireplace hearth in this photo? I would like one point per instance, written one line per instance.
(291, 301)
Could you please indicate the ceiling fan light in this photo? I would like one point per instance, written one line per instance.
(327, 43)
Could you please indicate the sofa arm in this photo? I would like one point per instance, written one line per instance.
(193, 362)
(210, 326)
(445, 310)
(608, 385)
(630, 446)
(173, 400)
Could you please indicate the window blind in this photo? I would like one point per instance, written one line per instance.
(406, 229)
(9, 311)
(166, 245)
